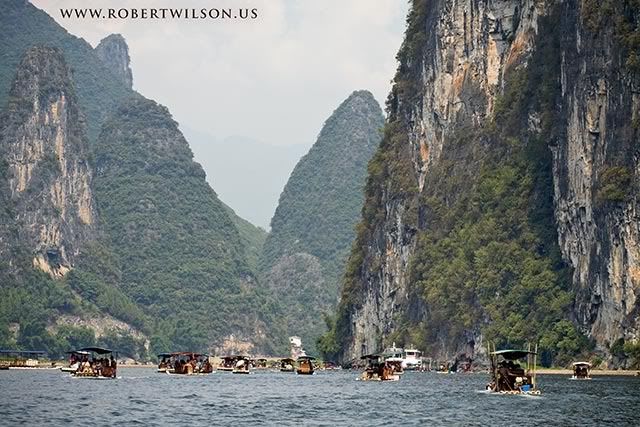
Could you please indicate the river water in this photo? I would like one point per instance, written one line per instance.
(143, 397)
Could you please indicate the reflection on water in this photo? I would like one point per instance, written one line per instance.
(142, 396)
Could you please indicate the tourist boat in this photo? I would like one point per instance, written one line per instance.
(443, 368)
(96, 363)
(305, 365)
(331, 366)
(508, 377)
(242, 365)
(581, 371)
(394, 356)
(74, 360)
(227, 363)
(166, 363)
(377, 369)
(412, 359)
(447, 368)
(188, 363)
(287, 365)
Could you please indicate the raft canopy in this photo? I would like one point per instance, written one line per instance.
(513, 354)
(287, 359)
(98, 350)
(306, 358)
(582, 364)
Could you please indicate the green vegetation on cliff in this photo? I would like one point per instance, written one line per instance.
(313, 226)
(252, 237)
(165, 256)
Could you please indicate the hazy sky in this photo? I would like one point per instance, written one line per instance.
(274, 79)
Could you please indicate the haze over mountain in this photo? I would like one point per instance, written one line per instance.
(244, 77)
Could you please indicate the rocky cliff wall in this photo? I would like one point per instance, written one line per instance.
(453, 63)
(595, 169)
(45, 149)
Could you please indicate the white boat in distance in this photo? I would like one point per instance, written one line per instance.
(410, 358)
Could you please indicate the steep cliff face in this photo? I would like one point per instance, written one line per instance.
(114, 53)
(595, 167)
(313, 226)
(500, 110)
(464, 54)
(452, 65)
(46, 150)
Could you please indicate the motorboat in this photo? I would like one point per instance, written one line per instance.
(412, 359)
(187, 363)
(242, 365)
(227, 363)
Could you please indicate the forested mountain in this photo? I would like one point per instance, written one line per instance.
(502, 204)
(313, 226)
(109, 232)
(181, 255)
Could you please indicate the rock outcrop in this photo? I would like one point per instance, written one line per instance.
(46, 151)
(114, 53)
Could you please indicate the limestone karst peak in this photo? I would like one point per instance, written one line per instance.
(114, 53)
